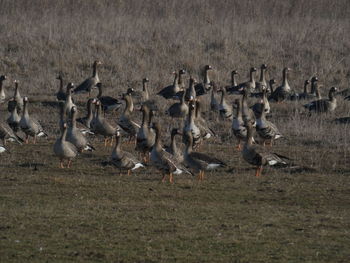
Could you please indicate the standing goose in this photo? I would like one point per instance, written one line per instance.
(30, 126)
(61, 94)
(122, 159)
(323, 105)
(202, 124)
(75, 136)
(314, 88)
(170, 91)
(199, 162)
(178, 109)
(2, 91)
(271, 88)
(266, 130)
(101, 126)
(14, 119)
(256, 106)
(305, 95)
(249, 85)
(282, 92)
(261, 84)
(86, 121)
(68, 104)
(238, 128)
(7, 134)
(164, 161)
(125, 121)
(224, 109)
(259, 156)
(108, 103)
(247, 112)
(87, 85)
(203, 88)
(17, 100)
(190, 91)
(180, 80)
(64, 149)
(190, 125)
(146, 136)
(214, 104)
(173, 149)
(233, 88)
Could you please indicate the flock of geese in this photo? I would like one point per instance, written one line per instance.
(254, 133)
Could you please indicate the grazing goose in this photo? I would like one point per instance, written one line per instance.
(249, 85)
(266, 130)
(122, 159)
(199, 162)
(282, 92)
(173, 149)
(87, 85)
(125, 121)
(68, 104)
(224, 109)
(261, 84)
(238, 128)
(170, 91)
(86, 121)
(30, 126)
(2, 91)
(247, 112)
(14, 119)
(61, 94)
(7, 134)
(190, 125)
(256, 106)
(64, 149)
(323, 105)
(202, 124)
(108, 103)
(203, 88)
(101, 126)
(146, 136)
(259, 156)
(164, 161)
(178, 109)
(75, 136)
(214, 104)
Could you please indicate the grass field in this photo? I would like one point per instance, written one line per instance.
(92, 213)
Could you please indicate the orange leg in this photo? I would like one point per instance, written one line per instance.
(163, 179)
(61, 164)
(69, 163)
(171, 179)
(34, 141)
(112, 140)
(258, 171)
(106, 139)
(238, 146)
(202, 176)
(27, 139)
(129, 172)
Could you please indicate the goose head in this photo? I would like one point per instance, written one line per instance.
(145, 80)
(252, 69)
(3, 77)
(263, 66)
(182, 72)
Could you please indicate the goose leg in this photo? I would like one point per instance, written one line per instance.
(69, 163)
(238, 146)
(258, 171)
(202, 176)
(34, 140)
(111, 144)
(27, 139)
(106, 141)
(171, 180)
(61, 163)
(129, 172)
(163, 179)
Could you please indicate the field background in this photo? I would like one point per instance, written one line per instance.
(90, 213)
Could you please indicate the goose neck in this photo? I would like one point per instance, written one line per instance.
(262, 75)
(233, 80)
(206, 77)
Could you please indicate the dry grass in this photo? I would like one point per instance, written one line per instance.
(90, 213)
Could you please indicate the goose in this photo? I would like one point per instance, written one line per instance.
(2, 91)
(190, 92)
(199, 162)
(178, 109)
(202, 124)
(61, 94)
(29, 125)
(282, 92)
(16, 98)
(125, 121)
(180, 80)
(86, 121)
(323, 105)
(7, 134)
(190, 125)
(224, 109)
(315, 92)
(247, 112)
(233, 88)
(214, 104)
(203, 88)
(249, 85)
(14, 119)
(108, 103)
(172, 148)
(145, 136)
(64, 149)
(305, 95)
(87, 85)
(259, 156)
(101, 126)
(68, 104)
(164, 161)
(170, 91)
(123, 159)
(62, 114)
(266, 129)
(256, 106)
(238, 128)
(75, 136)
(271, 87)
(261, 84)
